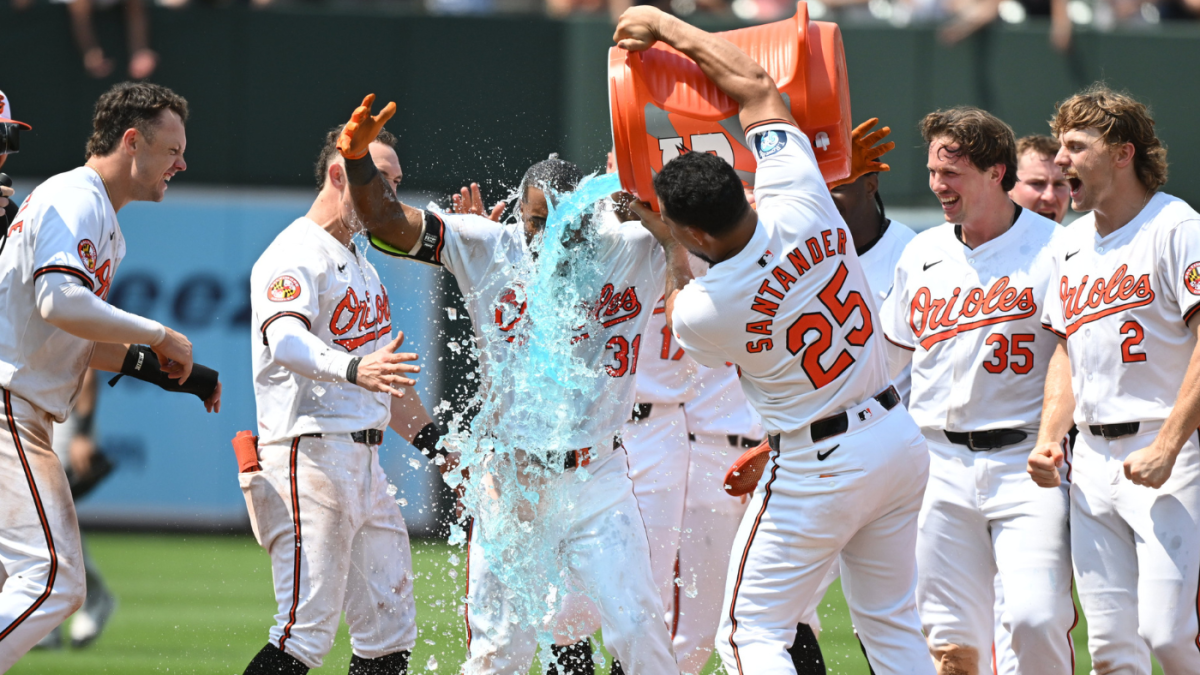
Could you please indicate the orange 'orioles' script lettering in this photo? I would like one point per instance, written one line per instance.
(1118, 293)
(351, 311)
(944, 318)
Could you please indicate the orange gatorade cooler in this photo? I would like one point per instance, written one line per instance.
(660, 100)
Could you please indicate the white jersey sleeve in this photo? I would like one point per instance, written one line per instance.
(285, 289)
(788, 185)
(1180, 263)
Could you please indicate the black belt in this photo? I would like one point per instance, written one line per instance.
(735, 441)
(835, 425)
(641, 411)
(993, 439)
(366, 436)
(1111, 431)
(583, 456)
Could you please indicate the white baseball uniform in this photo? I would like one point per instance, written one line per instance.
(970, 317)
(67, 226)
(320, 505)
(1123, 303)
(789, 309)
(721, 426)
(879, 262)
(605, 545)
(657, 442)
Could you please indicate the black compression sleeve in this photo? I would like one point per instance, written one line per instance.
(141, 363)
(360, 171)
(426, 440)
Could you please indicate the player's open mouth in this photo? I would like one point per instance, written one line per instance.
(949, 202)
(1076, 184)
(1047, 214)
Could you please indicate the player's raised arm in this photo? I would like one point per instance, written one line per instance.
(738, 75)
(384, 216)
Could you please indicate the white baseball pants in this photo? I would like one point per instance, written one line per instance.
(658, 465)
(338, 543)
(39, 534)
(1137, 557)
(860, 502)
(982, 515)
(609, 558)
(710, 523)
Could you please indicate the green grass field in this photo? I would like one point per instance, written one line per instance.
(203, 604)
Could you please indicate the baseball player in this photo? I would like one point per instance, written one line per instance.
(62, 252)
(1041, 186)
(327, 378)
(1123, 301)
(786, 300)
(606, 550)
(964, 301)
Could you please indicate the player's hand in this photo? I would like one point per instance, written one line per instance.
(629, 208)
(1044, 462)
(471, 201)
(639, 28)
(1151, 466)
(363, 128)
(174, 353)
(5, 193)
(382, 371)
(213, 403)
(864, 154)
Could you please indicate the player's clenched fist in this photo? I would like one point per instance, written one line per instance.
(362, 128)
(1044, 463)
(639, 28)
(383, 371)
(1150, 466)
(174, 353)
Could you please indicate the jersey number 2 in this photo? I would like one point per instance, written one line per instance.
(841, 311)
(1135, 338)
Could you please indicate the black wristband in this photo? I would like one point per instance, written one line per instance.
(360, 171)
(141, 363)
(352, 370)
(426, 440)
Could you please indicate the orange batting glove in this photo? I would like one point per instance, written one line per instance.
(362, 128)
(863, 157)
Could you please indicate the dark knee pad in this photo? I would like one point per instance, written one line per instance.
(395, 663)
(272, 660)
(574, 659)
(806, 653)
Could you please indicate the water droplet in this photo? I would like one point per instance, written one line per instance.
(432, 663)
(318, 390)
(454, 560)
(691, 591)
(402, 501)
(414, 462)
(391, 490)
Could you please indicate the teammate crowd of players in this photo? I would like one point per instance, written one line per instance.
(964, 424)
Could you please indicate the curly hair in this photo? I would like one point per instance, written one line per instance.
(128, 105)
(1120, 119)
(984, 139)
(329, 151)
(701, 190)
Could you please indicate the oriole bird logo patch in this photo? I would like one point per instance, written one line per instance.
(1192, 278)
(283, 289)
(87, 253)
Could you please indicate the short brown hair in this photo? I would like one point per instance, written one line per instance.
(1120, 120)
(329, 151)
(1046, 146)
(978, 135)
(128, 105)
